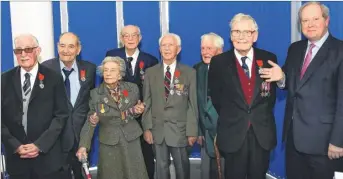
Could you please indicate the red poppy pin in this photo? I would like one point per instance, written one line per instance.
(141, 66)
(126, 94)
(177, 74)
(259, 63)
(41, 78)
(83, 75)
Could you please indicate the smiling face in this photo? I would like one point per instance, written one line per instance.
(26, 52)
(313, 24)
(68, 48)
(209, 49)
(243, 35)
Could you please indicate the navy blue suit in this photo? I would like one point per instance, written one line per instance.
(314, 109)
(149, 61)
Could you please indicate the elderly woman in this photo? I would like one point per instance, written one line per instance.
(115, 105)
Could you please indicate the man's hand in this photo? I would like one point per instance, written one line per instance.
(82, 152)
(334, 152)
(148, 137)
(139, 107)
(200, 140)
(30, 151)
(191, 140)
(272, 74)
(94, 119)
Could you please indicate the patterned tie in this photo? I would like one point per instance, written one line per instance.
(27, 84)
(129, 66)
(245, 67)
(307, 60)
(167, 79)
(67, 81)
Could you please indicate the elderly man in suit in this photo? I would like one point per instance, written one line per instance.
(79, 77)
(137, 63)
(246, 131)
(313, 75)
(34, 113)
(211, 45)
(170, 119)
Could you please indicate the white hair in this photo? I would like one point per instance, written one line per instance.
(176, 37)
(243, 17)
(34, 39)
(138, 29)
(216, 39)
(117, 60)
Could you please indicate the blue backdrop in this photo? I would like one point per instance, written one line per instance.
(95, 23)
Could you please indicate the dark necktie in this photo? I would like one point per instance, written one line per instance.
(27, 84)
(129, 66)
(245, 67)
(167, 79)
(67, 81)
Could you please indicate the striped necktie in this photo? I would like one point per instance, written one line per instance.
(27, 84)
(167, 79)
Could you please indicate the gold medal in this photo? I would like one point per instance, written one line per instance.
(102, 110)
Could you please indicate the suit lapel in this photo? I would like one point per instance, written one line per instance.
(17, 84)
(81, 67)
(316, 62)
(177, 68)
(159, 77)
(35, 88)
(137, 68)
(258, 80)
(235, 76)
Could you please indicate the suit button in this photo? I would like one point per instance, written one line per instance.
(249, 111)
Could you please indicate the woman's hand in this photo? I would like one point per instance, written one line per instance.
(81, 153)
(94, 119)
(139, 107)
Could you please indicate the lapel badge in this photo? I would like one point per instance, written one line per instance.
(102, 110)
(41, 78)
(106, 100)
(171, 92)
(260, 65)
(83, 75)
(177, 74)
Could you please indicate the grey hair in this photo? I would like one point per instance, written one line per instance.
(177, 38)
(117, 60)
(217, 40)
(138, 29)
(324, 8)
(35, 41)
(243, 17)
(77, 37)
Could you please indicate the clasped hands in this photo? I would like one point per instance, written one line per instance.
(28, 151)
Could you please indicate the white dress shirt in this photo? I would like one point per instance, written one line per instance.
(134, 60)
(172, 70)
(33, 75)
(248, 61)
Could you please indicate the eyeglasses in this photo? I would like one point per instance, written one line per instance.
(246, 33)
(18, 51)
(127, 36)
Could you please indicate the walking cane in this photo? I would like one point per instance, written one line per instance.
(217, 158)
(3, 167)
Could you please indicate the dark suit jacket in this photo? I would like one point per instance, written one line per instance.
(148, 60)
(46, 117)
(78, 113)
(234, 112)
(208, 116)
(315, 103)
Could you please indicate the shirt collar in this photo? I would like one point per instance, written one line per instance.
(74, 66)
(32, 72)
(320, 42)
(134, 55)
(172, 66)
(250, 54)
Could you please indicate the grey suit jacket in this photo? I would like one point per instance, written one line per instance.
(174, 119)
(109, 113)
